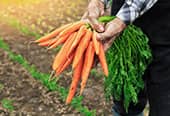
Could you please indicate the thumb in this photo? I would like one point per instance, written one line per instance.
(103, 36)
(85, 15)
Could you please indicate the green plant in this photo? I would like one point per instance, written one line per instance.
(3, 45)
(7, 104)
(1, 86)
(96, 74)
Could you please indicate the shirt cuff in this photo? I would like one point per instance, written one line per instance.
(130, 11)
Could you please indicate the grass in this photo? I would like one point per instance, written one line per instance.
(44, 78)
(16, 24)
(96, 74)
(7, 104)
(12, 21)
(1, 86)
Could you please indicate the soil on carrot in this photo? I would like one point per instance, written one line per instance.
(29, 96)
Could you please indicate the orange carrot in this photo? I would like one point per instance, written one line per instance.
(71, 28)
(45, 43)
(66, 64)
(61, 56)
(59, 41)
(102, 59)
(53, 41)
(53, 34)
(82, 47)
(95, 42)
(76, 78)
(89, 58)
(80, 34)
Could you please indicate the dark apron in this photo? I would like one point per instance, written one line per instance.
(155, 23)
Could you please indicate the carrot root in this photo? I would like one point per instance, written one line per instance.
(102, 60)
(89, 58)
(76, 78)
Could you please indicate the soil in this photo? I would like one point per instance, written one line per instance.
(29, 96)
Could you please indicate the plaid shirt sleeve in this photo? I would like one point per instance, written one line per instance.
(132, 9)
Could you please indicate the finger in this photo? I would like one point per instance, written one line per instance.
(99, 27)
(101, 7)
(85, 15)
(110, 31)
(102, 13)
(103, 36)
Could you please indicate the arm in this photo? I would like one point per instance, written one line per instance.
(132, 9)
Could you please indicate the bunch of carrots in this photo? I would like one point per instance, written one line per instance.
(79, 47)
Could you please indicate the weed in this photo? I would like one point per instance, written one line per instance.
(1, 86)
(7, 104)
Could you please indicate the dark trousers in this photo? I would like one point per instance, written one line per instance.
(156, 24)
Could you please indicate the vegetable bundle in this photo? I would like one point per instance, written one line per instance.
(80, 45)
(127, 58)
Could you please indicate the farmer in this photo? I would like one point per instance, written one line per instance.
(153, 17)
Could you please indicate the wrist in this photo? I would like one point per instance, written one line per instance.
(116, 26)
(120, 22)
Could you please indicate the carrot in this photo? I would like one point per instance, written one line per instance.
(53, 41)
(81, 47)
(76, 78)
(89, 58)
(66, 64)
(80, 34)
(53, 34)
(71, 28)
(102, 59)
(45, 43)
(61, 56)
(59, 41)
(95, 42)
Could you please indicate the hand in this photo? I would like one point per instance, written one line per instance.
(94, 11)
(112, 30)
